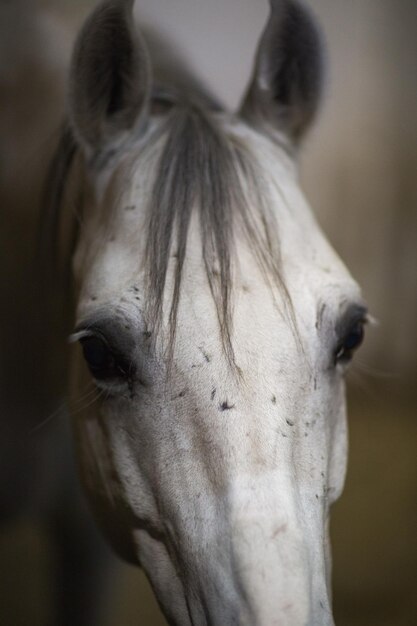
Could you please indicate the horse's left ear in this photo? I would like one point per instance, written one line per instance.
(109, 79)
(285, 90)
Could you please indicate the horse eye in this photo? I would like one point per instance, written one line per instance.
(351, 342)
(99, 358)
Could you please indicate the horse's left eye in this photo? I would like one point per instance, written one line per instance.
(351, 342)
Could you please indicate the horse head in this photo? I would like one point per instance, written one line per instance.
(215, 324)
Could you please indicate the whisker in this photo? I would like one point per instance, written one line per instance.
(100, 393)
(366, 377)
(52, 416)
(362, 384)
(372, 371)
(59, 412)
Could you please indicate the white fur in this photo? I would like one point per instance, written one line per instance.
(226, 511)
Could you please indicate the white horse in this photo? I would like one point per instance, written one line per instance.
(216, 324)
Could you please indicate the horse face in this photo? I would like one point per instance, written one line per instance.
(216, 441)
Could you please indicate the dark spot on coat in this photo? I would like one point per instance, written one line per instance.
(274, 399)
(147, 334)
(130, 207)
(320, 314)
(206, 356)
(213, 393)
(279, 530)
(181, 394)
(225, 406)
(289, 422)
(93, 298)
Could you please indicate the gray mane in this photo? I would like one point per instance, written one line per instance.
(200, 168)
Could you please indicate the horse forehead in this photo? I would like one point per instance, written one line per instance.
(304, 251)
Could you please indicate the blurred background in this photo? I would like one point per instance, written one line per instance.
(359, 171)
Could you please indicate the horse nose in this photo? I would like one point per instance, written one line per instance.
(281, 574)
(278, 548)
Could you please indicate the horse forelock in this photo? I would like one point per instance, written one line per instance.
(201, 168)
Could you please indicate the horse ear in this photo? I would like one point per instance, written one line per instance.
(109, 78)
(286, 85)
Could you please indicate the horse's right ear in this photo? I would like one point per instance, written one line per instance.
(109, 79)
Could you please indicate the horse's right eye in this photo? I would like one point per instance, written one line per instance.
(99, 358)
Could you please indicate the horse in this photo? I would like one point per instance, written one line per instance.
(214, 325)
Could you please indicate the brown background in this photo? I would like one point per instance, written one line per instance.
(359, 171)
